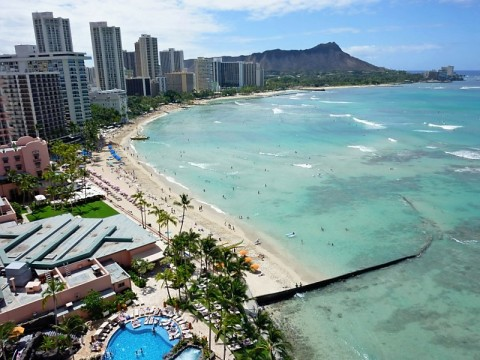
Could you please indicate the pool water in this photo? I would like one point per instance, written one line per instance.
(140, 343)
(190, 353)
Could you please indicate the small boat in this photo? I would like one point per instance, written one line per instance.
(139, 137)
(291, 235)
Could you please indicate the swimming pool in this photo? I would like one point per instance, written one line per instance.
(139, 343)
(189, 353)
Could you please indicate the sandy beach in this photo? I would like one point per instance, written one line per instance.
(277, 270)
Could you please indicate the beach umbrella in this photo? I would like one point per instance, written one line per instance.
(17, 331)
(243, 252)
(255, 267)
(248, 259)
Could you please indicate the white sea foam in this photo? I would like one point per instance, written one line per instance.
(335, 102)
(199, 165)
(445, 127)
(173, 181)
(427, 131)
(465, 242)
(340, 115)
(470, 87)
(431, 147)
(305, 166)
(240, 103)
(362, 148)
(217, 122)
(277, 111)
(392, 140)
(468, 170)
(212, 206)
(270, 154)
(369, 124)
(438, 88)
(466, 154)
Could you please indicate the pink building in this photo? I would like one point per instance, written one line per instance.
(26, 155)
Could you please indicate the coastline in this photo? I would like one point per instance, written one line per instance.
(278, 270)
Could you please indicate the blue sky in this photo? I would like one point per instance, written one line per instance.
(396, 34)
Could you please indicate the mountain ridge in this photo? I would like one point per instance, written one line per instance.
(320, 58)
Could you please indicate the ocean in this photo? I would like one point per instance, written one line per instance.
(362, 176)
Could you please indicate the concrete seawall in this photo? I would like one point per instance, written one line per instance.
(272, 298)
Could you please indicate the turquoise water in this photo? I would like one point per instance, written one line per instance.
(190, 353)
(140, 343)
(377, 172)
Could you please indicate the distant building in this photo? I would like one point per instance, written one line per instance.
(107, 56)
(7, 213)
(237, 74)
(90, 71)
(129, 64)
(204, 75)
(446, 73)
(70, 67)
(180, 82)
(52, 34)
(139, 86)
(171, 60)
(146, 57)
(32, 105)
(111, 99)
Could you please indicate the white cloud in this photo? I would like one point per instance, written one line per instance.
(372, 51)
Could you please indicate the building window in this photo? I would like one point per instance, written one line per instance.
(122, 284)
(17, 157)
(5, 160)
(19, 166)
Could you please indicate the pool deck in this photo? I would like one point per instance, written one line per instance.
(151, 296)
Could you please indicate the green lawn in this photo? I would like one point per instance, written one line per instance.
(96, 209)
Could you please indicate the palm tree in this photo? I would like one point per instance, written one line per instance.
(167, 218)
(140, 200)
(141, 266)
(157, 212)
(185, 204)
(274, 344)
(54, 287)
(73, 325)
(166, 276)
(5, 333)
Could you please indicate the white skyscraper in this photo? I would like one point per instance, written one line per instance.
(171, 60)
(146, 57)
(107, 56)
(51, 34)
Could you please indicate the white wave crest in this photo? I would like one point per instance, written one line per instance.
(270, 154)
(240, 104)
(217, 122)
(470, 87)
(431, 147)
(427, 131)
(212, 206)
(362, 148)
(468, 169)
(173, 181)
(335, 102)
(369, 124)
(305, 166)
(277, 111)
(199, 165)
(340, 115)
(465, 242)
(392, 140)
(466, 154)
(446, 127)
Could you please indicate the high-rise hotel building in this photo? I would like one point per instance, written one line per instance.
(146, 57)
(171, 61)
(52, 34)
(107, 56)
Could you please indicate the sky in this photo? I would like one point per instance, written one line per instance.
(395, 34)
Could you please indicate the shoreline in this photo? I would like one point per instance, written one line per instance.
(278, 270)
